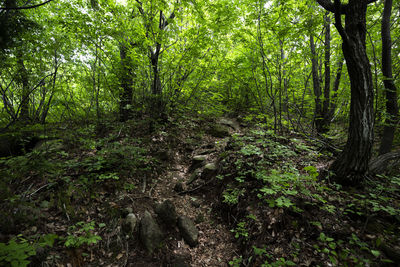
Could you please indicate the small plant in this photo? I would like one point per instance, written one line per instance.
(231, 195)
(241, 230)
(85, 235)
(16, 253)
(236, 262)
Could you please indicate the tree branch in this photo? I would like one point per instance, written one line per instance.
(25, 7)
(329, 6)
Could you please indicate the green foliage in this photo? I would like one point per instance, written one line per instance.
(82, 233)
(241, 230)
(17, 252)
(231, 195)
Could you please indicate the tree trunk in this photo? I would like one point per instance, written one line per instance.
(335, 90)
(390, 88)
(126, 84)
(318, 117)
(327, 64)
(352, 165)
(23, 79)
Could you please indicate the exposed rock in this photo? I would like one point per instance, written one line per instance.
(150, 233)
(209, 170)
(194, 176)
(130, 223)
(178, 187)
(166, 212)
(229, 122)
(197, 162)
(188, 230)
(126, 211)
(219, 130)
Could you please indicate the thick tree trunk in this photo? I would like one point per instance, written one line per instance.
(392, 109)
(126, 84)
(352, 165)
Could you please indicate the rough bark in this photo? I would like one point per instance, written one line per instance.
(352, 165)
(392, 108)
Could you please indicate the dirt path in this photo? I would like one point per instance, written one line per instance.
(216, 246)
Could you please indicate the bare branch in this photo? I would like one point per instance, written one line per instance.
(25, 7)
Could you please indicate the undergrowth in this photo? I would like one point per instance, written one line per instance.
(277, 206)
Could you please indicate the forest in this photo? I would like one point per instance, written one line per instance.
(199, 133)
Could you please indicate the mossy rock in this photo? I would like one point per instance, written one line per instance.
(218, 130)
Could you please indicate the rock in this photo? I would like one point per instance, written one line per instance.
(219, 130)
(194, 176)
(188, 230)
(130, 223)
(229, 122)
(197, 162)
(209, 170)
(178, 187)
(166, 212)
(150, 233)
(126, 211)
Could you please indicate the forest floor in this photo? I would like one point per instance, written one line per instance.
(254, 197)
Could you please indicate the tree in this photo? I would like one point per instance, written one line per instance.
(392, 108)
(351, 166)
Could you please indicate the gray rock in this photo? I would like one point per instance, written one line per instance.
(197, 162)
(150, 233)
(229, 122)
(188, 230)
(130, 223)
(218, 130)
(166, 212)
(209, 170)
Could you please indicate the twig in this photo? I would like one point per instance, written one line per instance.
(196, 188)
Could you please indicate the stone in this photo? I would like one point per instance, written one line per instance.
(209, 170)
(218, 130)
(150, 233)
(197, 162)
(178, 187)
(229, 122)
(166, 212)
(188, 230)
(130, 223)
